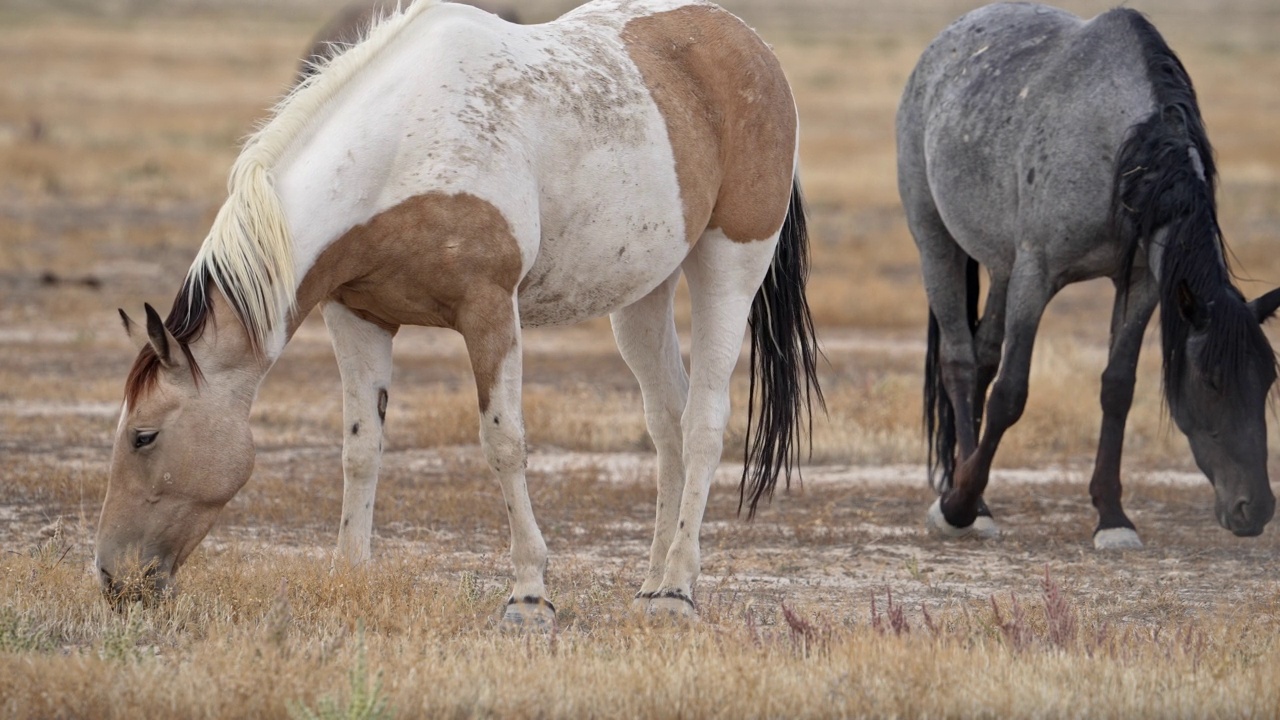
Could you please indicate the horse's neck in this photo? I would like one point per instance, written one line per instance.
(228, 361)
(1158, 245)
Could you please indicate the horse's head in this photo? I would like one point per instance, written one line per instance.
(182, 450)
(1219, 398)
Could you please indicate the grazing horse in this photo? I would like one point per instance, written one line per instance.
(533, 175)
(348, 26)
(1051, 150)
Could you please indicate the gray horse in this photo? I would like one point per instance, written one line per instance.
(1052, 150)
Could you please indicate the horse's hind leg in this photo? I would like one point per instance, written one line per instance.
(1128, 322)
(723, 278)
(363, 350)
(945, 268)
(489, 322)
(1029, 293)
(646, 336)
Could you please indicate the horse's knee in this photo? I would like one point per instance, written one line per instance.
(1007, 402)
(1117, 391)
(360, 464)
(664, 427)
(503, 446)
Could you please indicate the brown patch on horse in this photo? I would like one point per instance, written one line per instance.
(434, 260)
(724, 98)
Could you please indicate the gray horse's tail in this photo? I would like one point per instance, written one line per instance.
(784, 364)
(939, 413)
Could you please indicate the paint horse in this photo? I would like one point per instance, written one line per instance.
(535, 175)
(349, 25)
(1051, 150)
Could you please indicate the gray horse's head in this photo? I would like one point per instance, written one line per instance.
(1217, 389)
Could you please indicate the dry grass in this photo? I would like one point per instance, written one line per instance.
(116, 132)
(254, 633)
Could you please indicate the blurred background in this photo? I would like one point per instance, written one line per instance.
(120, 118)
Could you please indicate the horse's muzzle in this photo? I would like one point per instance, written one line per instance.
(123, 592)
(1245, 517)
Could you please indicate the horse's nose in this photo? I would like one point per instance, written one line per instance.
(112, 589)
(1247, 518)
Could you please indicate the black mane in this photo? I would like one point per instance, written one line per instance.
(1158, 184)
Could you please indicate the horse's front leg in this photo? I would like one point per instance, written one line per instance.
(489, 322)
(363, 350)
(1128, 323)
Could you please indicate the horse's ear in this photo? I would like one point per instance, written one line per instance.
(1265, 306)
(162, 341)
(1191, 307)
(131, 329)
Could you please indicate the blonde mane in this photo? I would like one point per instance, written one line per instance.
(248, 253)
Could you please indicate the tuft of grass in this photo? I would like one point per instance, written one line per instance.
(364, 699)
(19, 635)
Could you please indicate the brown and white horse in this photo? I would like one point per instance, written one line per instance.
(532, 175)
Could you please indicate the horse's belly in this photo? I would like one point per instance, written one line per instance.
(576, 279)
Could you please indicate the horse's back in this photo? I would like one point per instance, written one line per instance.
(1010, 125)
(707, 140)
(609, 140)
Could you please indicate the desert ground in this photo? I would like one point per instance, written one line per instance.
(118, 122)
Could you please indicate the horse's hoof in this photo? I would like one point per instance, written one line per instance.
(665, 605)
(529, 614)
(983, 527)
(1121, 538)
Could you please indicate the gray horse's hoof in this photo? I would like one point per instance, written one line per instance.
(529, 614)
(1117, 539)
(983, 528)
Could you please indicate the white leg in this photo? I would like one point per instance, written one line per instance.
(723, 279)
(491, 330)
(646, 336)
(364, 361)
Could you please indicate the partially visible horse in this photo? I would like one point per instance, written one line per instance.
(455, 170)
(1051, 150)
(350, 24)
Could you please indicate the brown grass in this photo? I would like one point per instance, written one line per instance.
(255, 635)
(118, 121)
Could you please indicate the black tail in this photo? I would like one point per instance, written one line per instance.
(939, 414)
(784, 353)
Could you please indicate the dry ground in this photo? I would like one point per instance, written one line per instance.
(117, 127)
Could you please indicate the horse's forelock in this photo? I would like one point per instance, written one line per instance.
(191, 311)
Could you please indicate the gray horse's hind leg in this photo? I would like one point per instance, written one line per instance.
(1128, 323)
(987, 343)
(946, 274)
(943, 263)
(1029, 293)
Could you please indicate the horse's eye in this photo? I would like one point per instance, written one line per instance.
(144, 438)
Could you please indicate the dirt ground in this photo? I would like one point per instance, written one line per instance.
(116, 131)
